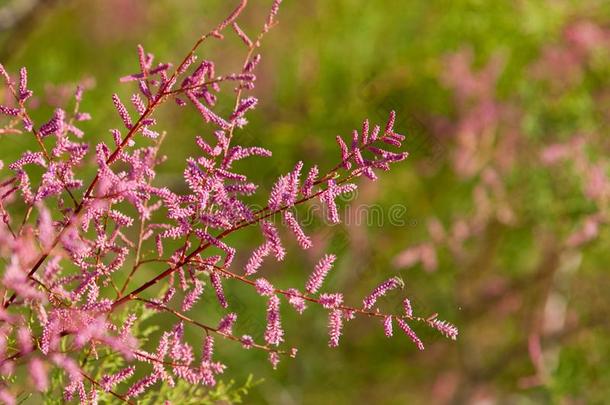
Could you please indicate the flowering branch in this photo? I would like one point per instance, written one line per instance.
(62, 267)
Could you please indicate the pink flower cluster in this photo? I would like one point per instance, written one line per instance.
(77, 249)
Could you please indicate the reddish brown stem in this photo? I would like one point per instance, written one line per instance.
(206, 327)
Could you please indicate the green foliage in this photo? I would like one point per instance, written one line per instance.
(223, 393)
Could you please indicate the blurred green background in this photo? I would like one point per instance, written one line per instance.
(327, 66)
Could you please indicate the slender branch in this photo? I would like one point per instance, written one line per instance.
(206, 327)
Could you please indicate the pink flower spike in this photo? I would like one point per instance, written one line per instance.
(24, 93)
(208, 348)
(409, 332)
(207, 114)
(387, 326)
(109, 381)
(375, 133)
(355, 140)
(256, 260)
(447, 329)
(120, 107)
(244, 105)
(217, 284)
(319, 274)
(225, 325)
(406, 304)
(241, 34)
(275, 7)
(272, 236)
(389, 127)
(293, 225)
(274, 334)
(308, 184)
(144, 65)
(140, 386)
(9, 111)
(328, 199)
(344, 153)
(381, 290)
(274, 359)
(365, 132)
(335, 324)
(192, 296)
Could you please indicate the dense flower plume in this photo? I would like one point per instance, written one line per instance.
(76, 249)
